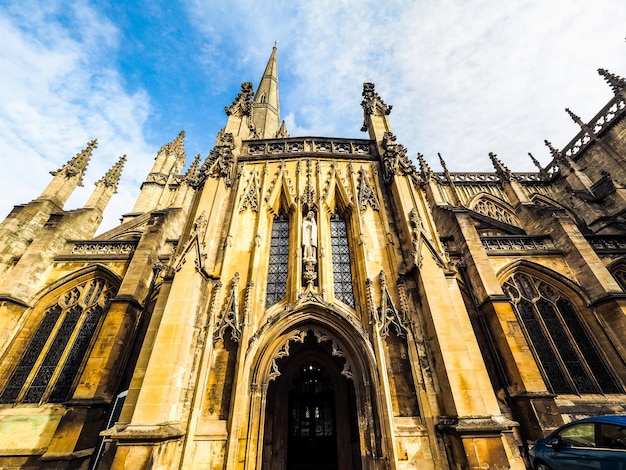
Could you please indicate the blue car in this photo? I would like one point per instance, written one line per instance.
(598, 443)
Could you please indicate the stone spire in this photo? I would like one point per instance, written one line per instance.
(542, 172)
(78, 164)
(168, 163)
(503, 172)
(265, 105)
(427, 173)
(68, 177)
(106, 186)
(617, 83)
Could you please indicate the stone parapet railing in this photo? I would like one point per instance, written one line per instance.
(113, 249)
(509, 243)
(319, 146)
(608, 245)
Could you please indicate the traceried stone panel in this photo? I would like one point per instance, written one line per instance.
(71, 322)
(496, 211)
(570, 361)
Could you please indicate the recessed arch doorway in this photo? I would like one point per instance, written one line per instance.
(311, 412)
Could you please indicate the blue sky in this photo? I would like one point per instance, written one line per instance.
(465, 77)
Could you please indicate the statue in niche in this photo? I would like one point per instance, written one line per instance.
(309, 238)
(309, 249)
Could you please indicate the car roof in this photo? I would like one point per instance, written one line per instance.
(614, 419)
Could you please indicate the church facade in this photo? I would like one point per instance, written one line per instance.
(315, 302)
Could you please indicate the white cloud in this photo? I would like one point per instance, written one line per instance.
(464, 78)
(59, 92)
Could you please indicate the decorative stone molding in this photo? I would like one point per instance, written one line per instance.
(230, 317)
(297, 337)
(103, 248)
(345, 148)
(486, 206)
(250, 197)
(196, 236)
(367, 195)
(387, 312)
(372, 104)
(242, 105)
(517, 243)
(417, 235)
(373, 312)
(221, 161)
(320, 336)
(394, 159)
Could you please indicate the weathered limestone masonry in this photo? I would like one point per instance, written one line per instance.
(314, 302)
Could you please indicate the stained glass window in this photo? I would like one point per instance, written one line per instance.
(568, 357)
(342, 271)
(71, 322)
(278, 262)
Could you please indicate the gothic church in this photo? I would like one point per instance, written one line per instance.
(315, 303)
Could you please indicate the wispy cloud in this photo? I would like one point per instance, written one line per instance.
(464, 77)
(58, 92)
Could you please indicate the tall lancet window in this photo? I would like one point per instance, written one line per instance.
(342, 271)
(570, 361)
(52, 360)
(279, 260)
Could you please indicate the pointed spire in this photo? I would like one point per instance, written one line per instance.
(424, 168)
(588, 130)
(266, 105)
(112, 177)
(554, 152)
(282, 132)
(544, 174)
(78, 164)
(617, 83)
(443, 163)
(535, 161)
(574, 117)
(192, 172)
(502, 171)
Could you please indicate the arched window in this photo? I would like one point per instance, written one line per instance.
(342, 271)
(620, 276)
(567, 356)
(278, 263)
(53, 357)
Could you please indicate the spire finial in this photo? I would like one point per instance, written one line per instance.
(617, 83)
(574, 117)
(424, 168)
(275, 44)
(554, 152)
(443, 163)
(501, 169)
(112, 177)
(266, 107)
(78, 164)
(535, 161)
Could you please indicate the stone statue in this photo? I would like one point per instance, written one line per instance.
(309, 238)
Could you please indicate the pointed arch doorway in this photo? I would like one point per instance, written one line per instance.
(311, 412)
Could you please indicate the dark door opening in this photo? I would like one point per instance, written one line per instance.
(312, 440)
(311, 411)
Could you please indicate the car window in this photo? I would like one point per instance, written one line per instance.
(579, 435)
(612, 436)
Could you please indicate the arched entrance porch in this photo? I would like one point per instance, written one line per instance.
(311, 414)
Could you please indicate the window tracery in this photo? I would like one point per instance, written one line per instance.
(278, 262)
(489, 208)
(620, 276)
(570, 361)
(55, 353)
(342, 270)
